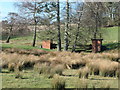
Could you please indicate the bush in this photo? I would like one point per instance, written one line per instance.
(58, 83)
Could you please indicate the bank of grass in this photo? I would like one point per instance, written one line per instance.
(110, 35)
(31, 79)
(26, 47)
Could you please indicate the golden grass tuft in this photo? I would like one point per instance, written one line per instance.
(83, 72)
(58, 69)
(58, 82)
(99, 64)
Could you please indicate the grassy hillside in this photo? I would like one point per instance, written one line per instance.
(110, 39)
(110, 34)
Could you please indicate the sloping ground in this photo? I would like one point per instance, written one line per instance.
(110, 40)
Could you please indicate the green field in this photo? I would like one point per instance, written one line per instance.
(32, 79)
(110, 39)
(110, 34)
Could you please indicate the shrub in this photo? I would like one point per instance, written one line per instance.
(84, 72)
(58, 82)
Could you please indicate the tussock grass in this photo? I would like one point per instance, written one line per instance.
(94, 67)
(103, 67)
(58, 83)
(84, 72)
(17, 61)
(58, 69)
(99, 64)
(42, 68)
(49, 70)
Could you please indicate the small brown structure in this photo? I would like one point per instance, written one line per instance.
(48, 44)
(96, 45)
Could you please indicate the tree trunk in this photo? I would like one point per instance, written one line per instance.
(66, 26)
(96, 26)
(77, 32)
(9, 36)
(8, 39)
(58, 26)
(35, 27)
(34, 37)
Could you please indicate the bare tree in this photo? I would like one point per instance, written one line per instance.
(9, 24)
(80, 13)
(66, 26)
(31, 10)
(94, 13)
(58, 26)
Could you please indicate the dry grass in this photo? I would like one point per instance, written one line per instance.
(35, 52)
(58, 69)
(49, 70)
(99, 64)
(17, 61)
(42, 68)
(103, 67)
(58, 83)
(83, 72)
